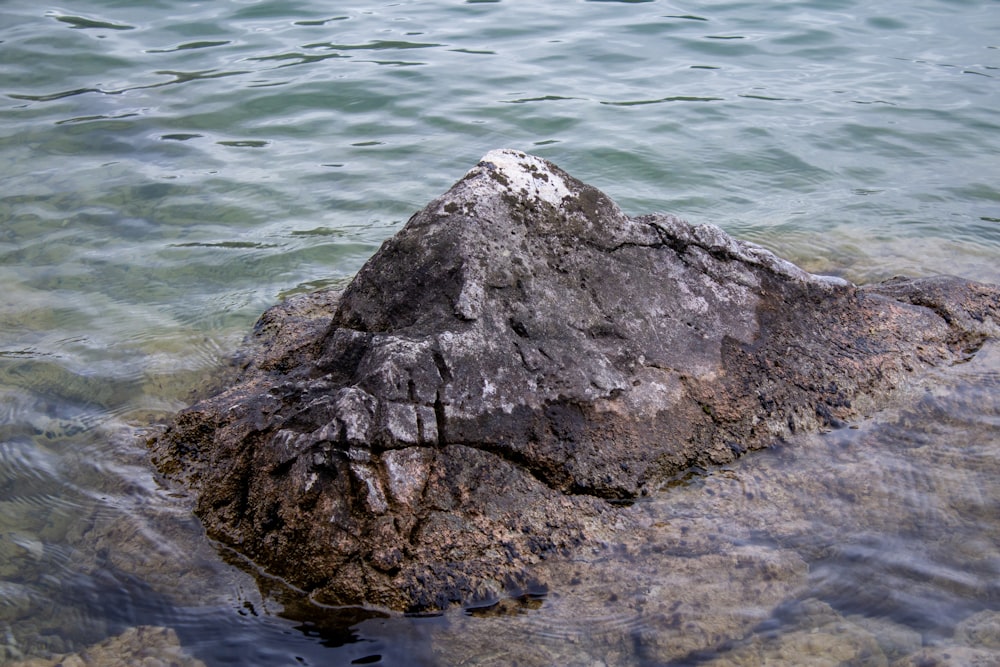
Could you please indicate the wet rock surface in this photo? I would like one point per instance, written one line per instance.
(517, 356)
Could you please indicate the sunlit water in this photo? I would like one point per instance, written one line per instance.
(170, 169)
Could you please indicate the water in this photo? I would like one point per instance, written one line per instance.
(171, 169)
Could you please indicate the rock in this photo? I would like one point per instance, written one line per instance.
(824, 639)
(980, 630)
(630, 603)
(144, 645)
(950, 656)
(517, 356)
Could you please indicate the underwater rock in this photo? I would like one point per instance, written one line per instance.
(825, 639)
(144, 645)
(517, 356)
(976, 644)
(630, 603)
(981, 629)
(949, 656)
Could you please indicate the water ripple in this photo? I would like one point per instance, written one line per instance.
(192, 45)
(675, 98)
(178, 78)
(84, 23)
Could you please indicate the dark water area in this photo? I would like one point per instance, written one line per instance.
(171, 169)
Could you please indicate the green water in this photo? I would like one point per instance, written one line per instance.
(172, 168)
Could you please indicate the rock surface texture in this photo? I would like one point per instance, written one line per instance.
(517, 356)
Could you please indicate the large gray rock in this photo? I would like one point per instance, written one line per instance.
(518, 355)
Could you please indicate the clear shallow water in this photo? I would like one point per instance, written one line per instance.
(172, 169)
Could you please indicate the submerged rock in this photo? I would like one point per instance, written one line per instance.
(825, 640)
(517, 356)
(144, 645)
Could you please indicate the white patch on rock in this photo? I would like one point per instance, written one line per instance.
(506, 171)
(354, 410)
(375, 496)
(311, 481)
(528, 175)
(406, 473)
(400, 421)
(833, 281)
(470, 301)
